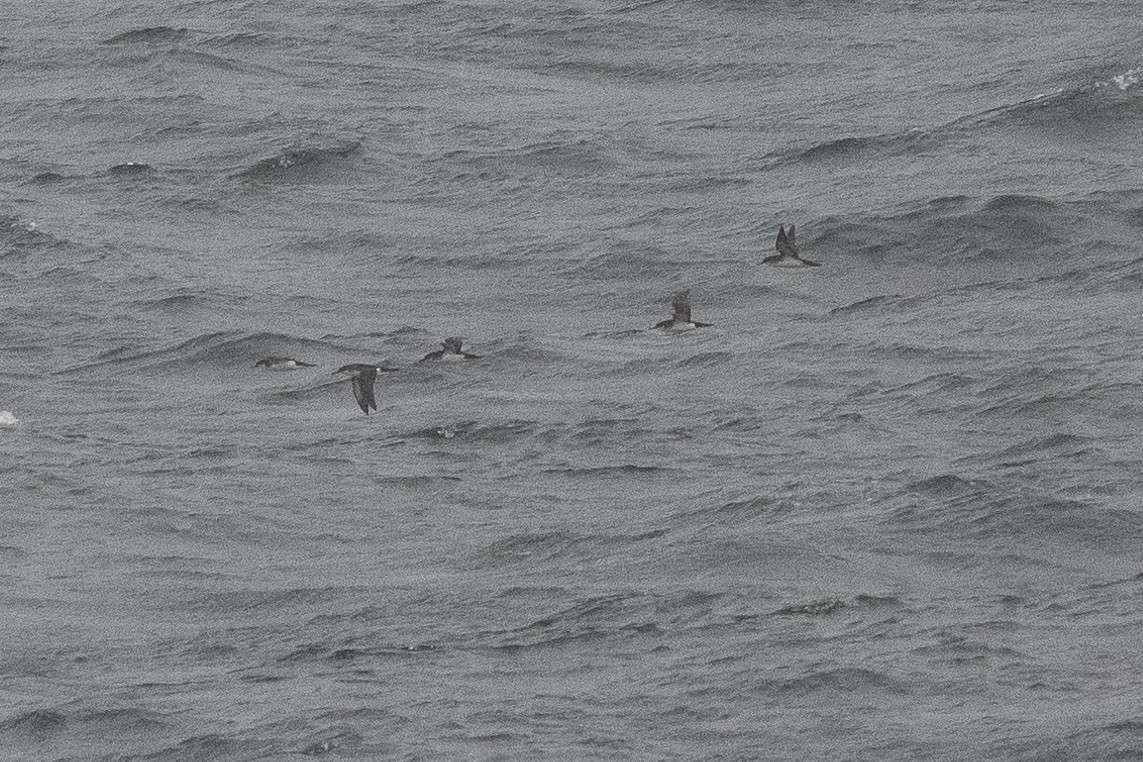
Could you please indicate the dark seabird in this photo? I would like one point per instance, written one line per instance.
(363, 378)
(681, 320)
(787, 255)
(282, 363)
(452, 351)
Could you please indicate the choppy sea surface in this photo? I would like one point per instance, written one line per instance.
(888, 508)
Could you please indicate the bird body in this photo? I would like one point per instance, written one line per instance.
(282, 363)
(450, 351)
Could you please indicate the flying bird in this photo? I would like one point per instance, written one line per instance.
(681, 319)
(363, 377)
(788, 255)
(451, 351)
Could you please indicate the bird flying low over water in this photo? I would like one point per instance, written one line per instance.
(282, 363)
(681, 320)
(363, 377)
(451, 351)
(788, 255)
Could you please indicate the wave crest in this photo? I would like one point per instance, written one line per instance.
(299, 163)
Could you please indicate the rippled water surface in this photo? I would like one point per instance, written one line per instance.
(887, 508)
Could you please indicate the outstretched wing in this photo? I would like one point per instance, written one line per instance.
(363, 389)
(785, 243)
(681, 304)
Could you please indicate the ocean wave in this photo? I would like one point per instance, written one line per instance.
(37, 723)
(839, 680)
(125, 720)
(211, 746)
(496, 433)
(952, 506)
(574, 157)
(19, 237)
(211, 349)
(877, 304)
(1054, 446)
(356, 653)
(303, 163)
(130, 169)
(176, 303)
(606, 617)
(1085, 108)
(240, 40)
(1088, 105)
(1102, 736)
(151, 34)
(47, 178)
(1005, 228)
(1061, 395)
(538, 547)
(959, 649)
(618, 471)
(852, 148)
(935, 384)
(828, 606)
(651, 71)
(253, 600)
(706, 360)
(734, 514)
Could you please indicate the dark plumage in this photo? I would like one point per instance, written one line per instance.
(282, 363)
(788, 254)
(451, 351)
(363, 378)
(681, 319)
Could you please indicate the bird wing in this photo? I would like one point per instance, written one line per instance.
(363, 389)
(785, 243)
(682, 306)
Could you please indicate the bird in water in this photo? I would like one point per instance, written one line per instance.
(451, 351)
(681, 320)
(363, 377)
(282, 363)
(788, 255)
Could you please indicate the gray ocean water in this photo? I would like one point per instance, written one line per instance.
(888, 508)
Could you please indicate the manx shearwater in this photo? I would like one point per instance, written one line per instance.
(788, 254)
(681, 320)
(363, 377)
(451, 350)
(282, 363)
